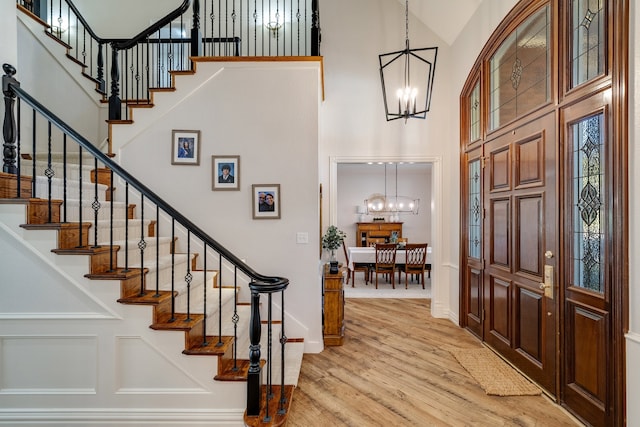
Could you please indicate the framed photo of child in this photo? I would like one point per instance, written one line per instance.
(185, 147)
(225, 173)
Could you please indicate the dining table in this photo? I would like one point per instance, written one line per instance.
(367, 255)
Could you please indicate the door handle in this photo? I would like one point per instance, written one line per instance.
(547, 285)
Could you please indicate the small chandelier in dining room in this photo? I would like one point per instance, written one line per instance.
(401, 73)
(391, 204)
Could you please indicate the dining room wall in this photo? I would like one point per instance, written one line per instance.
(358, 181)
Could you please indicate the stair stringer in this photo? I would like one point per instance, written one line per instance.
(160, 379)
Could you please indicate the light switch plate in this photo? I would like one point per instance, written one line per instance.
(302, 237)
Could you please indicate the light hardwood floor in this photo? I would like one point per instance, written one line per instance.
(394, 370)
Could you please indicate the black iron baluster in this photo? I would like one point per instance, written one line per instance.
(33, 153)
(220, 300)
(269, 348)
(188, 277)
(255, 28)
(137, 74)
(19, 145)
(148, 71)
(126, 227)
(173, 270)
(142, 245)
(80, 196)
(64, 177)
(204, 295)
(283, 341)
(235, 318)
(111, 203)
(49, 173)
(96, 203)
(157, 234)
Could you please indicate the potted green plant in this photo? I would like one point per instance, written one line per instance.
(332, 240)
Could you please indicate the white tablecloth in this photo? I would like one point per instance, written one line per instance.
(367, 254)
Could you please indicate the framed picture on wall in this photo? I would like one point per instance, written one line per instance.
(266, 201)
(225, 173)
(185, 147)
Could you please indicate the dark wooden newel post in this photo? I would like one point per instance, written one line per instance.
(9, 152)
(316, 36)
(115, 109)
(254, 383)
(196, 37)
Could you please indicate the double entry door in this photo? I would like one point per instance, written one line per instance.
(540, 288)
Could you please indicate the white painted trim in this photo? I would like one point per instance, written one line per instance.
(439, 287)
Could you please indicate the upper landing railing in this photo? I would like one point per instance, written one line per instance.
(126, 71)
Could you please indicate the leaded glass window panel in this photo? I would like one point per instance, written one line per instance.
(589, 220)
(588, 41)
(520, 70)
(474, 113)
(475, 210)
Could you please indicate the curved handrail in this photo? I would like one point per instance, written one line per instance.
(154, 27)
(260, 282)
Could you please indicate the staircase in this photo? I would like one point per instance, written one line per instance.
(96, 231)
(150, 268)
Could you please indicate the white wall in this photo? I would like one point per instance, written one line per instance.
(8, 24)
(47, 74)
(266, 113)
(127, 24)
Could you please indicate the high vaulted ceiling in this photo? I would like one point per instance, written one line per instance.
(446, 18)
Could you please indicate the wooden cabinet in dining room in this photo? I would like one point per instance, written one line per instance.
(371, 231)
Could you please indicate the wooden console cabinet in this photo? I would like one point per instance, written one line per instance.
(376, 230)
(333, 307)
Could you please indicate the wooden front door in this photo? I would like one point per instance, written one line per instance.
(521, 247)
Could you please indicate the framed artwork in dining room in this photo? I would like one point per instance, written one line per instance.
(266, 201)
(225, 173)
(185, 147)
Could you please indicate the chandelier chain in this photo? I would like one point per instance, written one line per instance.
(406, 21)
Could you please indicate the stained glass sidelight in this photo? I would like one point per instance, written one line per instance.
(475, 210)
(520, 70)
(474, 113)
(588, 40)
(588, 204)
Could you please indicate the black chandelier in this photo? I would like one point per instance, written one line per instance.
(396, 72)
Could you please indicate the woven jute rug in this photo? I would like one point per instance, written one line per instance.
(493, 374)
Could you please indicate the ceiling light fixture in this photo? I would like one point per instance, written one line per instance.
(396, 70)
(394, 205)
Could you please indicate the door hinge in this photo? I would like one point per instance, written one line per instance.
(483, 312)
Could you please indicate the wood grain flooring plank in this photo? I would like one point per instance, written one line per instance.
(394, 369)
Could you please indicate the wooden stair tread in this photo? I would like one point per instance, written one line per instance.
(276, 418)
(149, 298)
(228, 371)
(214, 347)
(117, 274)
(179, 322)
(85, 250)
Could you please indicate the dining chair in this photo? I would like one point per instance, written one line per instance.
(357, 266)
(385, 262)
(415, 259)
